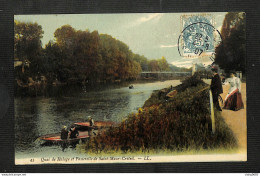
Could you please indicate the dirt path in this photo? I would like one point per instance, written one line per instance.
(236, 120)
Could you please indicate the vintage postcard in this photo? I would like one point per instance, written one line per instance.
(130, 88)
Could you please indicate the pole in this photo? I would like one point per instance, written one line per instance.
(212, 111)
(193, 69)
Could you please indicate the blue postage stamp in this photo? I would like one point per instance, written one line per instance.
(198, 35)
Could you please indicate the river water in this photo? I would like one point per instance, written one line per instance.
(37, 116)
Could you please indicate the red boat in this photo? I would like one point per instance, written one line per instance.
(83, 128)
(55, 138)
(97, 125)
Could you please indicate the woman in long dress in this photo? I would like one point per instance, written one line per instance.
(233, 100)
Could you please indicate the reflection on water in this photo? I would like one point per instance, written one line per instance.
(39, 116)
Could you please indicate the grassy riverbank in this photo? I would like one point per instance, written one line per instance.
(178, 124)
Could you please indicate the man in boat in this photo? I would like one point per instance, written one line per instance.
(64, 136)
(64, 133)
(91, 125)
(216, 87)
(73, 133)
(91, 121)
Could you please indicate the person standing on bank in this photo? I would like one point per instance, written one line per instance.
(216, 88)
(233, 100)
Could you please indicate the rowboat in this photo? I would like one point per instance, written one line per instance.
(84, 129)
(55, 138)
(97, 125)
(172, 93)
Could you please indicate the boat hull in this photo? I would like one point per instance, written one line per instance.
(97, 126)
(55, 138)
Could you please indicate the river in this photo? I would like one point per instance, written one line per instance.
(37, 116)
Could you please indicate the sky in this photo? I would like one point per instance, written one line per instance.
(150, 34)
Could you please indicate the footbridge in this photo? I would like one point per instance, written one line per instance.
(163, 74)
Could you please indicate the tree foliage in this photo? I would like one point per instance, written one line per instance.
(118, 59)
(152, 65)
(230, 54)
(27, 46)
(79, 56)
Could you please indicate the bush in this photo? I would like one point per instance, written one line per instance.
(179, 124)
(159, 96)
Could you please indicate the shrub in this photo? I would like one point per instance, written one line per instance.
(181, 123)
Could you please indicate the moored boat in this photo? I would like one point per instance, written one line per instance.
(85, 131)
(55, 138)
(97, 125)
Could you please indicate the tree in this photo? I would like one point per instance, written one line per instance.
(80, 54)
(27, 46)
(230, 54)
(153, 65)
(109, 52)
(87, 56)
(118, 59)
(52, 65)
(65, 41)
(142, 60)
(75, 55)
(163, 64)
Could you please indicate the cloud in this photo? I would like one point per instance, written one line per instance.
(153, 16)
(168, 46)
(149, 17)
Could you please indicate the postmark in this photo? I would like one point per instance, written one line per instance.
(198, 36)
